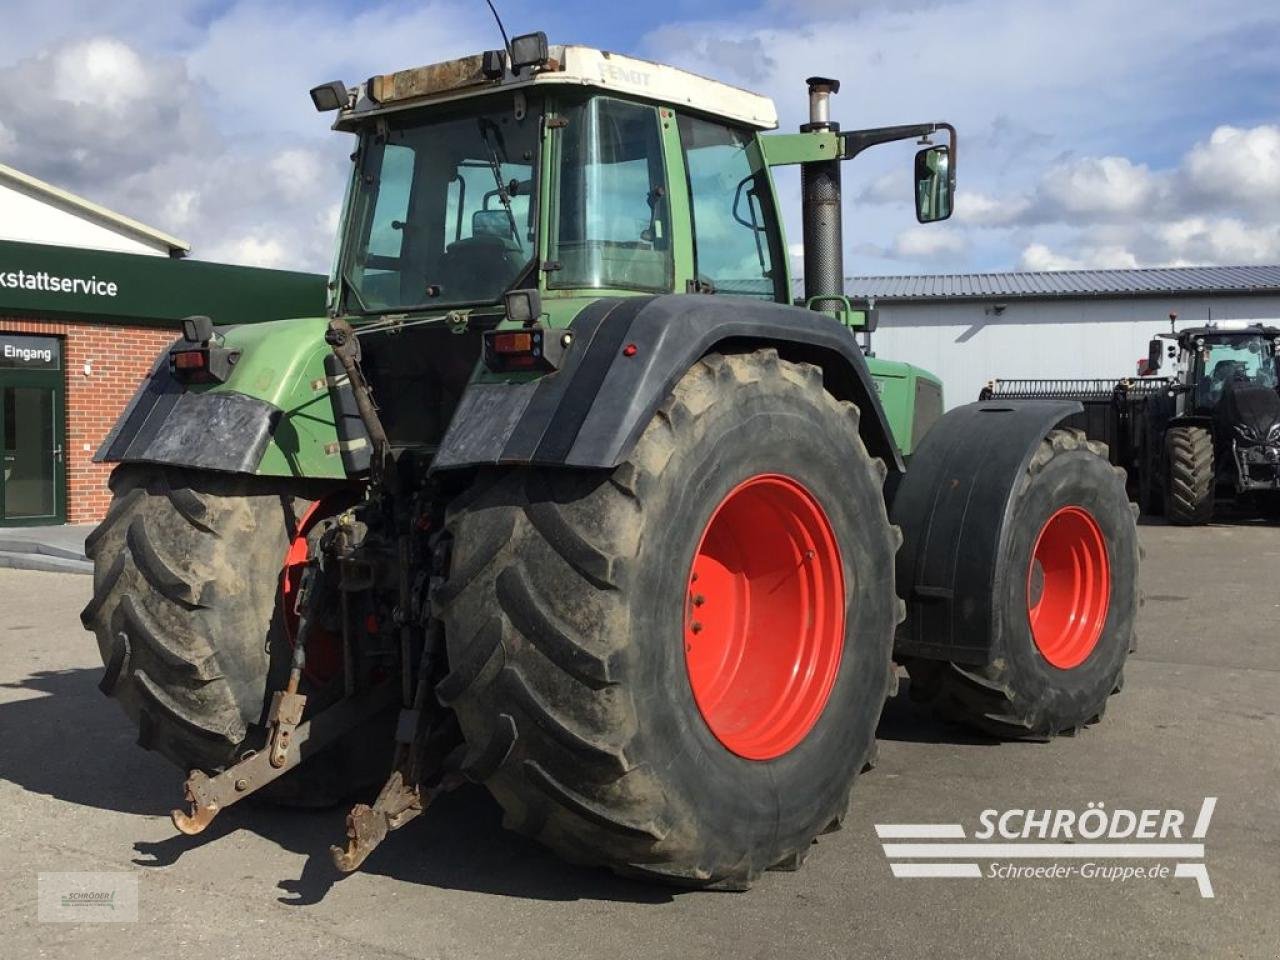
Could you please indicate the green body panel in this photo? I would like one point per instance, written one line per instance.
(785, 149)
(896, 383)
(282, 363)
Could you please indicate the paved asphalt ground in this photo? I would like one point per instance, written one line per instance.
(1200, 716)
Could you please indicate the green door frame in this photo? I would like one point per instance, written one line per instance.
(54, 381)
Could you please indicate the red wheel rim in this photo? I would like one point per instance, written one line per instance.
(1068, 587)
(764, 617)
(324, 649)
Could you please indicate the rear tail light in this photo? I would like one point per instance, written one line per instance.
(202, 361)
(191, 366)
(191, 360)
(514, 351)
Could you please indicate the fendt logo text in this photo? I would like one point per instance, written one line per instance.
(1091, 844)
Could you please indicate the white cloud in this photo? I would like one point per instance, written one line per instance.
(1099, 187)
(1240, 166)
(928, 242)
(180, 208)
(1226, 240)
(101, 72)
(745, 59)
(1037, 256)
(982, 210)
(296, 171)
(253, 251)
(893, 186)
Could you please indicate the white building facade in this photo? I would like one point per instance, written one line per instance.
(32, 211)
(971, 328)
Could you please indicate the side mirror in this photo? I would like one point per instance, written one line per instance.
(935, 185)
(1155, 354)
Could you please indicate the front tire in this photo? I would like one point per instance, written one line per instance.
(587, 618)
(1189, 488)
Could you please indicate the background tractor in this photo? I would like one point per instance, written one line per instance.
(567, 497)
(1210, 431)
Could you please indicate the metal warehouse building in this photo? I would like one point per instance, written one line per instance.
(88, 299)
(970, 328)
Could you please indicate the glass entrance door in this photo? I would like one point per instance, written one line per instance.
(32, 432)
(32, 454)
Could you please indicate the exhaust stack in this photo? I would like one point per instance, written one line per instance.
(820, 188)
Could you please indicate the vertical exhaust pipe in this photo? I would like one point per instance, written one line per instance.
(820, 190)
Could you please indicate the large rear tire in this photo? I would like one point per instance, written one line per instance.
(1066, 607)
(621, 644)
(1189, 489)
(188, 616)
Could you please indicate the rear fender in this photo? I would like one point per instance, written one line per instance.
(953, 506)
(274, 415)
(625, 357)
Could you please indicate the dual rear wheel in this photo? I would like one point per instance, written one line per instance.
(1065, 604)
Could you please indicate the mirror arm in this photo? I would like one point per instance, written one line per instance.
(855, 141)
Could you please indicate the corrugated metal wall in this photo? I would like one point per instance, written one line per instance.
(968, 343)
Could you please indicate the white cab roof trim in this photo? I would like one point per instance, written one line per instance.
(656, 81)
(585, 66)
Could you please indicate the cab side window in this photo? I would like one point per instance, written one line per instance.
(610, 222)
(734, 224)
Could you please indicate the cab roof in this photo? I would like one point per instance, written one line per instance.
(566, 65)
(1266, 328)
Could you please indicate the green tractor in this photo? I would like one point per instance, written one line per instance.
(567, 496)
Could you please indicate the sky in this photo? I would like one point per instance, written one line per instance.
(1092, 133)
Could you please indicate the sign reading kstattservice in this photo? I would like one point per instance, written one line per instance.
(45, 282)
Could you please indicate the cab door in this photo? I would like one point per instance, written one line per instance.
(737, 244)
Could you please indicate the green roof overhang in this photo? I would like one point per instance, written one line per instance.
(40, 280)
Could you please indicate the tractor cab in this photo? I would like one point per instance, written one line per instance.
(568, 172)
(1224, 361)
(1227, 381)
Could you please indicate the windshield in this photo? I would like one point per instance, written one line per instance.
(1244, 360)
(443, 213)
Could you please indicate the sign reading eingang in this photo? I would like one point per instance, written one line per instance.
(1096, 843)
(20, 352)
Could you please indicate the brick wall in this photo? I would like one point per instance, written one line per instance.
(119, 358)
